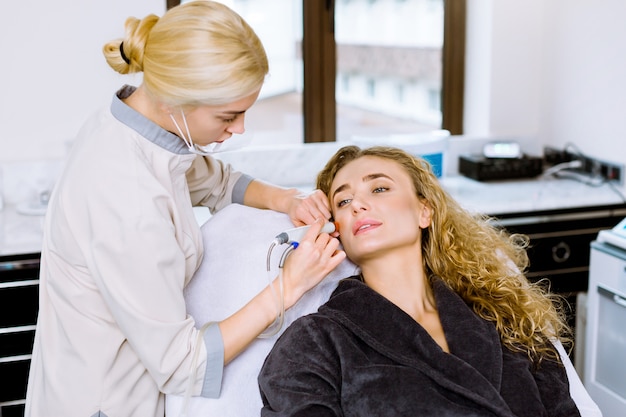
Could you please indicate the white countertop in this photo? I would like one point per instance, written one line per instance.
(20, 234)
(23, 234)
(529, 195)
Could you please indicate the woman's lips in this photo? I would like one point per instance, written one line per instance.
(364, 225)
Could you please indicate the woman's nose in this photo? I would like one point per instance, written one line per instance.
(358, 204)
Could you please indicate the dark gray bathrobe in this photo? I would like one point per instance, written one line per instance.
(360, 355)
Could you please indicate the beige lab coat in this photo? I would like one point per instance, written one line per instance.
(120, 243)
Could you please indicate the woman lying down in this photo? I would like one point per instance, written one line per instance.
(440, 321)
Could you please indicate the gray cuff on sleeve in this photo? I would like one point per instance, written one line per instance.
(215, 362)
(240, 188)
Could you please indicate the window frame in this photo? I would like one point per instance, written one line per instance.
(319, 106)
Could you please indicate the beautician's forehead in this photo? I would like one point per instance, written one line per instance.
(237, 106)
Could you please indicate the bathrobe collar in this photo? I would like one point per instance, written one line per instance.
(475, 373)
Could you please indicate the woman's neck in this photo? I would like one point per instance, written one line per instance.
(402, 280)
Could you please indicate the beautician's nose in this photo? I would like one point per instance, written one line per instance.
(237, 127)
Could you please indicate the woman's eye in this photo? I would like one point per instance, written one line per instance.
(342, 203)
(380, 189)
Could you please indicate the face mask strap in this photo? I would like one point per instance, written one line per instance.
(206, 150)
(189, 143)
(187, 128)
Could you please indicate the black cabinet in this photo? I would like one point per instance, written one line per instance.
(560, 246)
(559, 242)
(19, 304)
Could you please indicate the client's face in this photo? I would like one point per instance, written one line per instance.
(377, 209)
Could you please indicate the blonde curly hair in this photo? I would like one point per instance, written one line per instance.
(481, 262)
(199, 53)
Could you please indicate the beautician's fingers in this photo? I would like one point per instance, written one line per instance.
(306, 208)
(309, 207)
(315, 257)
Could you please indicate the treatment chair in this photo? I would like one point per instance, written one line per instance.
(233, 271)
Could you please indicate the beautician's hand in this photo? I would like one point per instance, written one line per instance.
(306, 208)
(314, 258)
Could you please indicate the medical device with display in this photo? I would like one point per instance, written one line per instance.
(615, 236)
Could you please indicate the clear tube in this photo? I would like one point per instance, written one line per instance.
(277, 325)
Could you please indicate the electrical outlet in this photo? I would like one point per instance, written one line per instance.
(610, 171)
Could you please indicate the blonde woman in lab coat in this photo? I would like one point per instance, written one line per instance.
(121, 240)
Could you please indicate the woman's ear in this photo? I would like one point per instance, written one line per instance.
(425, 215)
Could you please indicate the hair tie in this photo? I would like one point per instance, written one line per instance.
(124, 57)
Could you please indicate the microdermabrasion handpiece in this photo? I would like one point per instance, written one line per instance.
(296, 234)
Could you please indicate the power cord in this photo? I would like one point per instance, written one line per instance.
(573, 170)
(562, 166)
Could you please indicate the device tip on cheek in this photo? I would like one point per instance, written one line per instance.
(336, 226)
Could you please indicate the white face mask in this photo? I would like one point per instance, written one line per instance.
(210, 148)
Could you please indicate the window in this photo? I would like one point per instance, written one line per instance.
(340, 68)
(400, 93)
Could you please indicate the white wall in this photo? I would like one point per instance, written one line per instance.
(53, 73)
(554, 70)
(584, 76)
(503, 74)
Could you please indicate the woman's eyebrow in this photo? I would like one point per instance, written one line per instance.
(366, 178)
(339, 189)
(371, 177)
